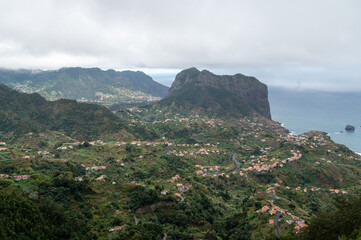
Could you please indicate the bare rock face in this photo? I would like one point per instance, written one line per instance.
(350, 128)
(203, 91)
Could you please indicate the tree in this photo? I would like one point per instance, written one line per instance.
(332, 225)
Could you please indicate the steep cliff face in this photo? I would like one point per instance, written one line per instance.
(205, 92)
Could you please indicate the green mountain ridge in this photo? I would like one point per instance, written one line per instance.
(206, 93)
(87, 84)
(21, 113)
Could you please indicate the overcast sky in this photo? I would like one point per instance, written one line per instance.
(300, 44)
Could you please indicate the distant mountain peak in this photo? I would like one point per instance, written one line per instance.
(87, 84)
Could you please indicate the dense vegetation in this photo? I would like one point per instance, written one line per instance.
(33, 214)
(22, 113)
(343, 223)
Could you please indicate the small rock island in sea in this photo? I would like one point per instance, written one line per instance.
(350, 128)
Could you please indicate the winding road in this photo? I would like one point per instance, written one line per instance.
(276, 223)
(135, 219)
(238, 164)
(278, 213)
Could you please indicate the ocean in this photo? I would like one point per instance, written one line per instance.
(330, 112)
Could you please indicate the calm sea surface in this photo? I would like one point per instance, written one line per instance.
(302, 111)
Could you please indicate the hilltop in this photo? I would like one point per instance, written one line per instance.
(202, 92)
(87, 84)
(22, 113)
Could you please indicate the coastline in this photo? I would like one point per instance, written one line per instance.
(303, 111)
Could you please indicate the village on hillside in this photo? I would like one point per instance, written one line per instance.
(252, 154)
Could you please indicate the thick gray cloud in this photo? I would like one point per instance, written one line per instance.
(304, 43)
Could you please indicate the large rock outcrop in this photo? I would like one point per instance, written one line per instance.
(206, 93)
(350, 128)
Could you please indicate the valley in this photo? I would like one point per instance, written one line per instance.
(188, 163)
(166, 172)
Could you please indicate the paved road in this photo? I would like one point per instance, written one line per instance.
(182, 198)
(135, 219)
(238, 164)
(278, 213)
(276, 223)
(167, 148)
